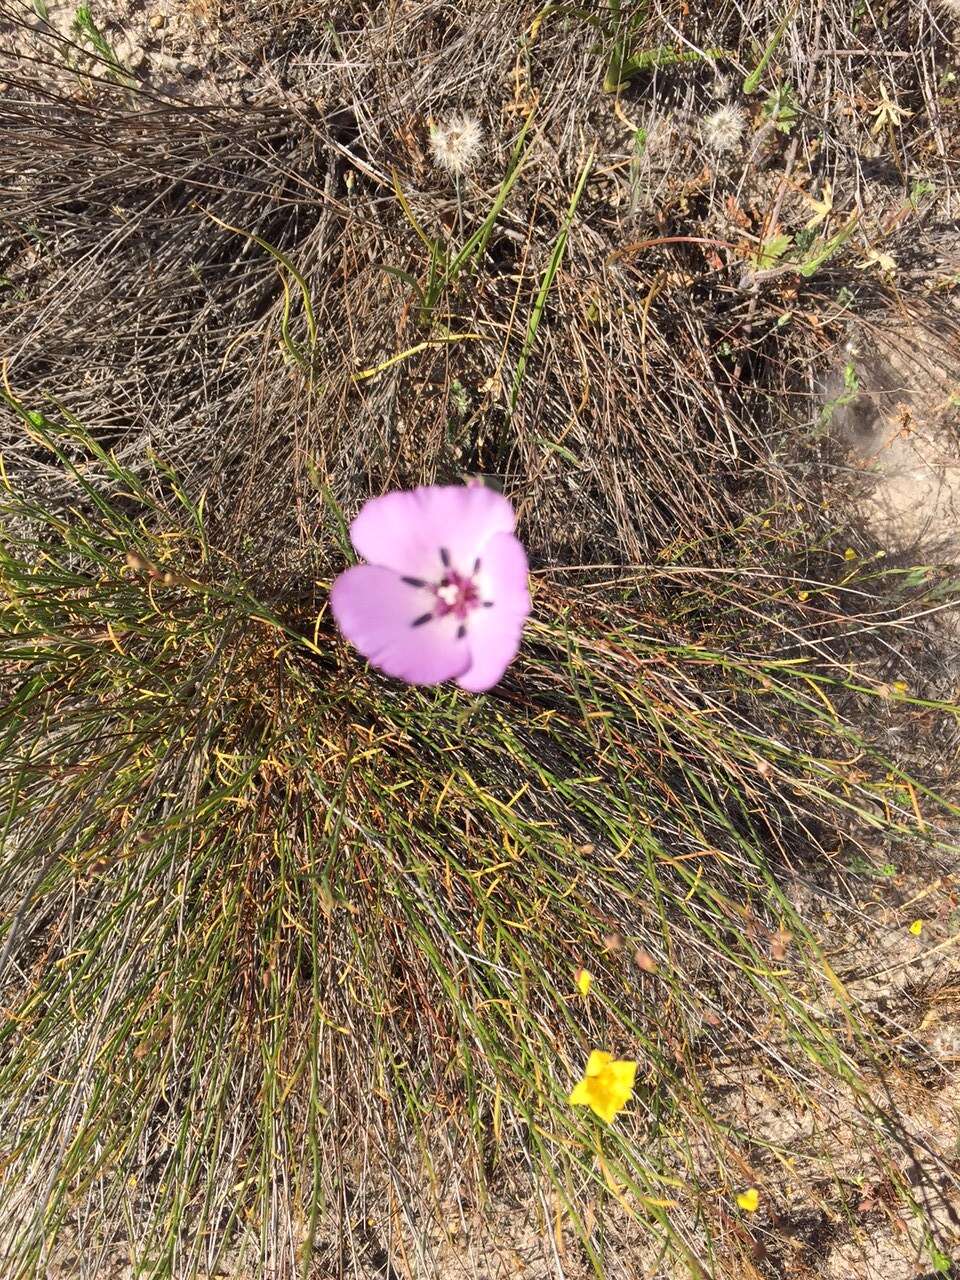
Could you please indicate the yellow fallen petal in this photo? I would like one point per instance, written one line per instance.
(583, 980)
(916, 927)
(607, 1108)
(580, 1097)
(849, 554)
(749, 1200)
(606, 1087)
(624, 1074)
(597, 1061)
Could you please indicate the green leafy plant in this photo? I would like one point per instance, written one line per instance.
(780, 108)
(553, 266)
(752, 81)
(619, 33)
(807, 253)
(86, 28)
(445, 267)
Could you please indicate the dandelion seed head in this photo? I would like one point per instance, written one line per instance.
(722, 129)
(455, 143)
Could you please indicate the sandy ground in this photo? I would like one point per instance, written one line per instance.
(902, 430)
(173, 46)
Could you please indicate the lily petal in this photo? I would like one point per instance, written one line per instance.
(494, 633)
(380, 615)
(406, 531)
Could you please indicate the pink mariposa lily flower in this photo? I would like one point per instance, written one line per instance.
(443, 595)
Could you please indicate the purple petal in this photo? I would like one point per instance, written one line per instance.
(375, 610)
(494, 633)
(406, 531)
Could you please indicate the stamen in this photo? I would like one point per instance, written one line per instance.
(461, 631)
(488, 604)
(476, 565)
(414, 582)
(424, 617)
(445, 557)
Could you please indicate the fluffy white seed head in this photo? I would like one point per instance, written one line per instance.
(455, 143)
(722, 129)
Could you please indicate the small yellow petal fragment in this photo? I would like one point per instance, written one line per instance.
(580, 1096)
(900, 686)
(606, 1087)
(849, 554)
(804, 595)
(749, 1200)
(916, 927)
(584, 980)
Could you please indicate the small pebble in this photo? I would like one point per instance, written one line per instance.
(157, 21)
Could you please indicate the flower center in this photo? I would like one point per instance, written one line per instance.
(454, 593)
